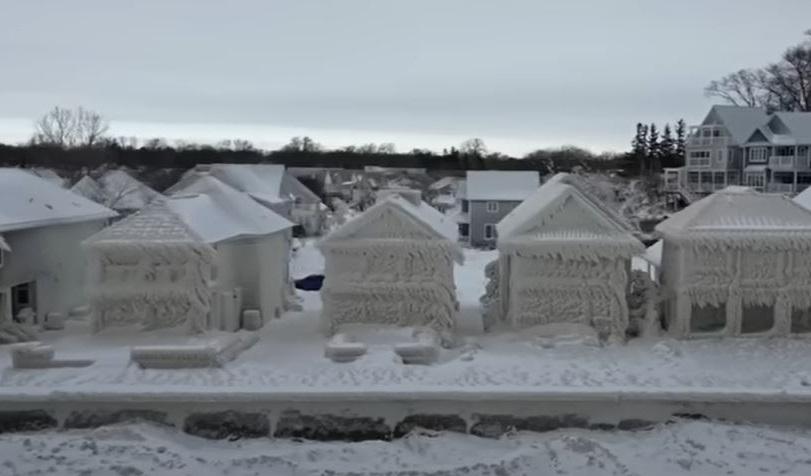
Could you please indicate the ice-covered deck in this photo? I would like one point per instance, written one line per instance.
(289, 359)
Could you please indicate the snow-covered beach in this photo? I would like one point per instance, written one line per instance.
(685, 447)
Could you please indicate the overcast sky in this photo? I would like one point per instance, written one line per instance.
(521, 74)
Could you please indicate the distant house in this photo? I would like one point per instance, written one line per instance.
(124, 193)
(42, 225)
(442, 194)
(271, 186)
(745, 146)
(737, 263)
(563, 259)
(486, 198)
(393, 264)
(199, 258)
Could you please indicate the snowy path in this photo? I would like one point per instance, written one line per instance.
(694, 448)
(289, 358)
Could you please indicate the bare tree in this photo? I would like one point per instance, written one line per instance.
(474, 147)
(784, 86)
(69, 128)
(302, 144)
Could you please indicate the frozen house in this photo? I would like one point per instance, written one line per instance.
(271, 186)
(737, 263)
(223, 254)
(488, 196)
(124, 193)
(392, 264)
(563, 258)
(42, 225)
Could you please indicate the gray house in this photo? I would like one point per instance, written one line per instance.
(486, 197)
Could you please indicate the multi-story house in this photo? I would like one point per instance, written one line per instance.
(486, 197)
(714, 150)
(745, 146)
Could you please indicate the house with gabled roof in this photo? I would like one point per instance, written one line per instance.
(392, 265)
(42, 225)
(271, 186)
(487, 196)
(737, 263)
(737, 145)
(563, 259)
(248, 270)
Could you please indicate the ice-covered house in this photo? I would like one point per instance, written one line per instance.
(42, 225)
(488, 196)
(563, 258)
(248, 245)
(738, 263)
(124, 193)
(392, 264)
(271, 186)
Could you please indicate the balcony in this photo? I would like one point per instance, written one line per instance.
(709, 141)
(777, 187)
(788, 162)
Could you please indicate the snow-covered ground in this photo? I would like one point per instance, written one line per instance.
(290, 358)
(694, 448)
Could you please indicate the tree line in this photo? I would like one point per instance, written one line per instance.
(652, 151)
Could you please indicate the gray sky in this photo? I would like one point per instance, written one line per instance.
(520, 74)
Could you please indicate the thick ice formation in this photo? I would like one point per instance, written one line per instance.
(393, 264)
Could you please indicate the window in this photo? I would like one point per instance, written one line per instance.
(464, 230)
(692, 177)
(718, 178)
(784, 151)
(492, 207)
(698, 158)
(706, 177)
(758, 154)
(489, 231)
(755, 180)
(756, 318)
(465, 206)
(708, 318)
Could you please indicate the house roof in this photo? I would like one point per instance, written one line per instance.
(28, 201)
(431, 219)
(444, 182)
(585, 188)
(804, 199)
(513, 185)
(559, 216)
(739, 121)
(156, 223)
(653, 253)
(740, 214)
(124, 192)
(89, 189)
(49, 175)
(217, 212)
(4, 246)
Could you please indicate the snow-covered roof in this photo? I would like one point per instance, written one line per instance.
(124, 192)
(804, 199)
(156, 223)
(431, 220)
(49, 175)
(513, 185)
(444, 182)
(557, 217)
(739, 121)
(3, 245)
(28, 201)
(217, 212)
(740, 214)
(653, 254)
(89, 188)
(584, 188)
(799, 125)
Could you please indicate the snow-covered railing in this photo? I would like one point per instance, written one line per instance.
(34, 355)
(211, 354)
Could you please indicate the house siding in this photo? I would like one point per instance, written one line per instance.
(479, 217)
(52, 257)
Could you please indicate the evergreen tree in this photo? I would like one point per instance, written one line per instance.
(639, 144)
(654, 151)
(680, 138)
(667, 148)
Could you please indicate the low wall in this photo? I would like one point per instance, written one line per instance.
(369, 416)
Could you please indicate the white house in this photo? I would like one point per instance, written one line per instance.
(393, 264)
(563, 258)
(42, 225)
(738, 263)
(124, 193)
(271, 186)
(488, 196)
(249, 264)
